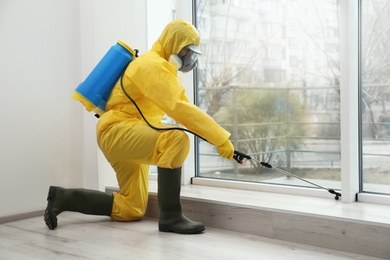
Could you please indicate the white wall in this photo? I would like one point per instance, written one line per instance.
(46, 49)
(41, 127)
(163, 9)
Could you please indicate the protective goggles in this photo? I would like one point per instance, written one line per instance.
(189, 55)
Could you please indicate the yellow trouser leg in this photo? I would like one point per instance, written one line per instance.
(130, 147)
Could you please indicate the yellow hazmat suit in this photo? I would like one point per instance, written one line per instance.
(128, 143)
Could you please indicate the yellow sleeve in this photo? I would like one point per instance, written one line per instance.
(196, 120)
(160, 84)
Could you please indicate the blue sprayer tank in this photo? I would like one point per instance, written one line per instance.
(96, 88)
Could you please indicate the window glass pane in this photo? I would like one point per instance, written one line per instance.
(375, 95)
(269, 74)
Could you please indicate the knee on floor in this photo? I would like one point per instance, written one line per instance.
(128, 215)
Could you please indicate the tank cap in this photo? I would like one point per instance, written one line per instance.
(124, 45)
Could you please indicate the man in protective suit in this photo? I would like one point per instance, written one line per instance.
(130, 145)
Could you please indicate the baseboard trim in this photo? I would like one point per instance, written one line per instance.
(21, 216)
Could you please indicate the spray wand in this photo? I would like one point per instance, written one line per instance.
(239, 157)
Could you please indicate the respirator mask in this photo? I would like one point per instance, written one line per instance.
(185, 61)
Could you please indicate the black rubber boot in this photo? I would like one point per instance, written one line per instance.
(85, 201)
(171, 216)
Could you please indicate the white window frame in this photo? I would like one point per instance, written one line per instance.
(349, 99)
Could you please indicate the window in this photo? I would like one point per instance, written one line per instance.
(287, 112)
(375, 93)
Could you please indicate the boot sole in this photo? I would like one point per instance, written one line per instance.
(50, 219)
(163, 228)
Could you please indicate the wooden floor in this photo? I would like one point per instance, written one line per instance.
(90, 237)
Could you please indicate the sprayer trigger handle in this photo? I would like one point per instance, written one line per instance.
(239, 157)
